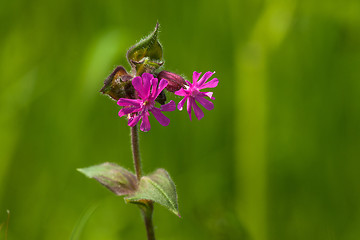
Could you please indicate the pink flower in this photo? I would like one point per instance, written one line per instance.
(191, 93)
(147, 90)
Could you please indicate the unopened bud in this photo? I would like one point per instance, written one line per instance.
(175, 81)
(146, 55)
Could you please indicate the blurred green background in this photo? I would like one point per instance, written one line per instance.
(278, 157)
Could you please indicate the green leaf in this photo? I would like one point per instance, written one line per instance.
(157, 187)
(117, 179)
(146, 55)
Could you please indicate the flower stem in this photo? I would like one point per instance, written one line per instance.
(146, 210)
(147, 214)
(136, 151)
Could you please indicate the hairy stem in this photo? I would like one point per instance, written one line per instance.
(147, 214)
(146, 211)
(136, 151)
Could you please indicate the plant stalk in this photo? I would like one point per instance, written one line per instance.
(147, 214)
(136, 151)
(146, 210)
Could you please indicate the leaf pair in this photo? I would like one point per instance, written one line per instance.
(157, 187)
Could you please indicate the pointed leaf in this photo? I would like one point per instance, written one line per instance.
(157, 187)
(146, 55)
(117, 179)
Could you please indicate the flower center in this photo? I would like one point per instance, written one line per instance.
(194, 92)
(148, 104)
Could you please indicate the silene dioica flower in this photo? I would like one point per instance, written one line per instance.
(148, 90)
(140, 92)
(191, 93)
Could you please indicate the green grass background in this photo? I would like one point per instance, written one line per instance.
(277, 159)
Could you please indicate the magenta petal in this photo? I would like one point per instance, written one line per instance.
(205, 103)
(154, 83)
(126, 111)
(171, 106)
(145, 124)
(204, 78)
(181, 92)
(133, 121)
(181, 103)
(138, 85)
(129, 102)
(188, 106)
(147, 83)
(163, 83)
(163, 120)
(196, 76)
(206, 94)
(198, 112)
(211, 84)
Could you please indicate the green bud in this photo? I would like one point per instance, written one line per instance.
(146, 55)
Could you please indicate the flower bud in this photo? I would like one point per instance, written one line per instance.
(118, 84)
(146, 55)
(175, 81)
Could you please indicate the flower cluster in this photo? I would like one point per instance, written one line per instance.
(148, 89)
(138, 91)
